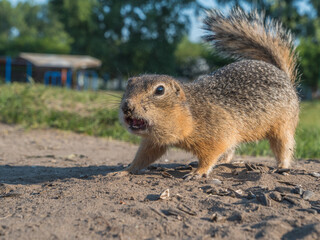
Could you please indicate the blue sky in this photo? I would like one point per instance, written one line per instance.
(36, 1)
(196, 32)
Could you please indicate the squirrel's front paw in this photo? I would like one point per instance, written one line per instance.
(194, 176)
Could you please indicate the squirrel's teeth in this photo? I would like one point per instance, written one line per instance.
(136, 123)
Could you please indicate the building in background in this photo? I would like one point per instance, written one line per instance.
(72, 71)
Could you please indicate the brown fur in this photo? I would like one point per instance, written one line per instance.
(245, 101)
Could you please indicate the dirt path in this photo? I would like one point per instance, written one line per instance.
(56, 185)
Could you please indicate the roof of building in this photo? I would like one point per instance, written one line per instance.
(61, 61)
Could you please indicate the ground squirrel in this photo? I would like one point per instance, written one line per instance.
(251, 99)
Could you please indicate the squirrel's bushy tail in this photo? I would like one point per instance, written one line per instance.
(252, 36)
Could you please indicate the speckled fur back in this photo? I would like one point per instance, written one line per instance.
(252, 93)
(247, 86)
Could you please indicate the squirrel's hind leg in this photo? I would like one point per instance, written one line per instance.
(227, 156)
(282, 144)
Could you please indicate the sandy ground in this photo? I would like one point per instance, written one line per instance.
(59, 185)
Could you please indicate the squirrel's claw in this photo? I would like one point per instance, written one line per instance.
(194, 176)
(127, 171)
(121, 173)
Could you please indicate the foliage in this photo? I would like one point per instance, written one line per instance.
(130, 37)
(30, 28)
(187, 49)
(310, 50)
(194, 59)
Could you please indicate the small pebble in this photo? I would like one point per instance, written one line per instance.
(308, 210)
(71, 156)
(283, 170)
(165, 194)
(251, 195)
(178, 196)
(297, 190)
(315, 174)
(212, 190)
(307, 195)
(276, 196)
(214, 181)
(313, 211)
(283, 189)
(316, 208)
(291, 200)
(224, 192)
(35, 193)
(216, 217)
(166, 175)
(236, 216)
(239, 193)
(250, 167)
(264, 200)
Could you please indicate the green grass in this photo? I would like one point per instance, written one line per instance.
(96, 113)
(36, 106)
(307, 135)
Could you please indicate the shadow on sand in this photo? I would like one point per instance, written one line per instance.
(11, 174)
(38, 174)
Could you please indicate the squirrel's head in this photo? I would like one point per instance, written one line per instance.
(154, 106)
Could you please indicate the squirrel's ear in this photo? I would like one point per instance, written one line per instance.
(178, 90)
(131, 80)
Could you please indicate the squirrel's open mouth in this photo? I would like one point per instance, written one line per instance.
(136, 124)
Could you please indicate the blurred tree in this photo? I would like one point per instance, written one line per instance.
(189, 59)
(130, 37)
(310, 62)
(309, 51)
(316, 6)
(80, 22)
(187, 49)
(284, 10)
(194, 59)
(30, 28)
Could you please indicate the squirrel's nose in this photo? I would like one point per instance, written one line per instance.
(127, 107)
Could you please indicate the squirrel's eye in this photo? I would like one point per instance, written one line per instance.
(159, 90)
